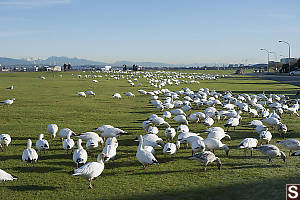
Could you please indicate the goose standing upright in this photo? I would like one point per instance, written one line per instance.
(52, 129)
(248, 143)
(5, 140)
(41, 144)
(68, 143)
(29, 154)
(80, 155)
(144, 157)
(91, 170)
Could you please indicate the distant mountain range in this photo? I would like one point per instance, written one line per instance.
(54, 60)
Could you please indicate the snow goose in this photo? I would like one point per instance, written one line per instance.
(217, 133)
(282, 129)
(180, 119)
(144, 157)
(195, 117)
(272, 121)
(68, 143)
(91, 170)
(52, 129)
(64, 132)
(265, 136)
(212, 144)
(10, 87)
(208, 121)
(183, 128)
(167, 114)
(196, 143)
(41, 144)
(80, 155)
(102, 128)
(260, 128)
(177, 112)
(5, 140)
(146, 124)
(153, 130)
(255, 123)
(81, 94)
(4, 176)
(29, 154)
(271, 151)
(130, 94)
(169, 148)
(170, 133)
(91, 136)
(8, 101)
(291, 144)
(92, 144)
(89, 92)
(206, 157)
(117, 96)
(159, 121)
(232, 122)
(112, 132)
(152, 140)
(110, 149)
(248, 143)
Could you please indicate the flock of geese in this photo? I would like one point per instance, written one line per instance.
(175, 107)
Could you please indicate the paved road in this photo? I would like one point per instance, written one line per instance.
(293, 80)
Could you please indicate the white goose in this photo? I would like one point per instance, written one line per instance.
(4, 176)
(180, 119)
(213, 144)
(29, 154)
(170, 133)
(183, 128)
(232, 122)
(91, 136)
(169, 148)
(8, 101)
(90, 93)
(5, 140)
(265, 136)
(52, 129)
(81, 94)
(68, 143)
(248, 143)
(80, 155)
(217, 133)
(271, 151)
(91, 170)
(92, 144)
(112, 132)
(291, 144)
(63, 133)
(153, 130)
(110, 149)
(208, 121)
(144, 157)
(206, 157)
(41, 144)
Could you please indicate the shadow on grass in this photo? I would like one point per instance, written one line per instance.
(31, 188)
(273, 188)
(36, 169)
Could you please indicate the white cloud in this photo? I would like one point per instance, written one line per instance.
(32, 3)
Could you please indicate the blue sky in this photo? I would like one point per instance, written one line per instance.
(172, 31)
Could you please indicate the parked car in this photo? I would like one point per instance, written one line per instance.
(295, 73)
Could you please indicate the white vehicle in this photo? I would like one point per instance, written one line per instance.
(295, 73)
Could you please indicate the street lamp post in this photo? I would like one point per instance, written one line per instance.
(268, 56)
(289, 53)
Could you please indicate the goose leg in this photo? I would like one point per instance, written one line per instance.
(90, 186)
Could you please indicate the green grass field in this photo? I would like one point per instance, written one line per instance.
(54, 100)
